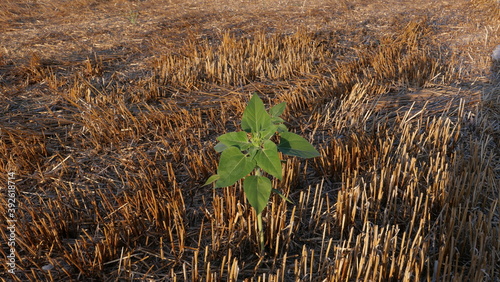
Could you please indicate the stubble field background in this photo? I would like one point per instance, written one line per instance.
(110, 111)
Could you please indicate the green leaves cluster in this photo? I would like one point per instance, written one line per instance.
(253, 150)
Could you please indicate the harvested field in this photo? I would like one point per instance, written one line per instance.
(110, 111)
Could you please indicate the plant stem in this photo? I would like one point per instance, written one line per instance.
(261, 232)
(258, 172)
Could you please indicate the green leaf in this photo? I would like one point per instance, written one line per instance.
(238, 139)
(269, 160)
(220, 147)
(277, 110)
(233, 165)
(212, 179)
(283, 196)
(255, 118)
(294, 145)
(282, 128)
(277, 120)
(269, 132)
(252, 151)
(257, 189)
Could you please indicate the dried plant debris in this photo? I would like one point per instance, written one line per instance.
(110, 112)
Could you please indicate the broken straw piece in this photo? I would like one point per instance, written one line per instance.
(496, 54)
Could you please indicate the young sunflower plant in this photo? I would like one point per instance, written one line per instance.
(246, 154)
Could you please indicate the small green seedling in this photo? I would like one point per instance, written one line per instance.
(252, 150)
